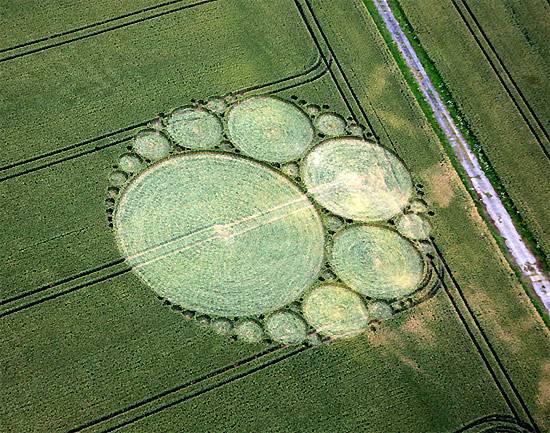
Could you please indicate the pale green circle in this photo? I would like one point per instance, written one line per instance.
(356, 179)
(249, 331)
(118, 178)
(379, 310)
(286, 327)
(376, 262)
(220, 234)
(291, 169)
(151, 145)
(216, 104)
(222, 326)
(335, 311)
(418, 206)
(413, 226)
(356, 130)
(194, 128)
(129, 163)
(427, 248)
(203, 320)
(269, 129)
(332, 222)
(312, 109)
(330, 124)
(313, 339)
(327, 275)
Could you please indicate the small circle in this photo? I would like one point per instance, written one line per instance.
(418, 206)
(413, 226)
(312, 109)
(291, 169)
(335, 311)
(216, 104)
(356, 179)
(355, 129)
(112, 191)
(286, 327)
(427, 249)
(249, 331)
(220, 234)
(332, 222)
(222, 326)
(203, 320)
(230, 99)
(379, 310)
(269, 129)
(313, 339)
(376, 262)
(129, 163)
(151, 145)
(330, 124)
(194, 128)
(118, 178)
(327, 275)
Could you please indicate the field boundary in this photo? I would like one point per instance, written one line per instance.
(543, 144)
(101, 31)
(63, 287)
(482, 343)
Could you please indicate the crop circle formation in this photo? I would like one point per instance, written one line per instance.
(267, 220)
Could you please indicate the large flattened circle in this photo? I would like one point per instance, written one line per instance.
(220, 234)
(269, 129)
(357, 179)
(376, 262)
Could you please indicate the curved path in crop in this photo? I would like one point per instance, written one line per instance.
(500, 217)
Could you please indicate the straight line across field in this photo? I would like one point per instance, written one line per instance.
(101, 31)
(537, 129)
